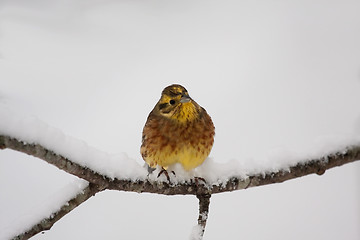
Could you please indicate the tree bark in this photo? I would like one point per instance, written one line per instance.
(204, 203)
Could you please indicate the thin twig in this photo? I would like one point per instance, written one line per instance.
(204, 202)
(47, 223)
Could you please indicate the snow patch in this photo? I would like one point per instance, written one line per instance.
(196, 233)
(34, 131)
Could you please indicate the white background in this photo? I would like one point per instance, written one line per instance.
(276, 77)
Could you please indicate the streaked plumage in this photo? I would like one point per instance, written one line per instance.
(177, 130)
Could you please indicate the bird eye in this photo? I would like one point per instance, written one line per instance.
(172, 102)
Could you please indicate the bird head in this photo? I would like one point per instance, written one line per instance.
(175, 103)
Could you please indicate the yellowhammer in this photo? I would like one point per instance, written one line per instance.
(177, 130)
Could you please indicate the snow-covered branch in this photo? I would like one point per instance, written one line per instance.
(204, 203)
(318, 166)
(47, 223)
(203, 190)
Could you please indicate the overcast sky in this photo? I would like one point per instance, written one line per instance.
(277, 78)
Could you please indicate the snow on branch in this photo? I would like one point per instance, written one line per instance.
(47, 223)
(203, 190)
(318, 166)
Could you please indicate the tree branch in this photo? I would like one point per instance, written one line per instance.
(318, 166)
(204, 202)
(203, 192)
(57, 160)
(47, 223)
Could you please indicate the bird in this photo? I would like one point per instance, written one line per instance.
(177, 130)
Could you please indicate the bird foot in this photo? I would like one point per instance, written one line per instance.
(198, 179)
(163, 171)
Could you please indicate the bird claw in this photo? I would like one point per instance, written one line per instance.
(198, 179)
(163, 171)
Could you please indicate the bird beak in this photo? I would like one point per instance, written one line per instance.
(185, 98)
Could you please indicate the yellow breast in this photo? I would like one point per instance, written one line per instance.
(189, 156)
